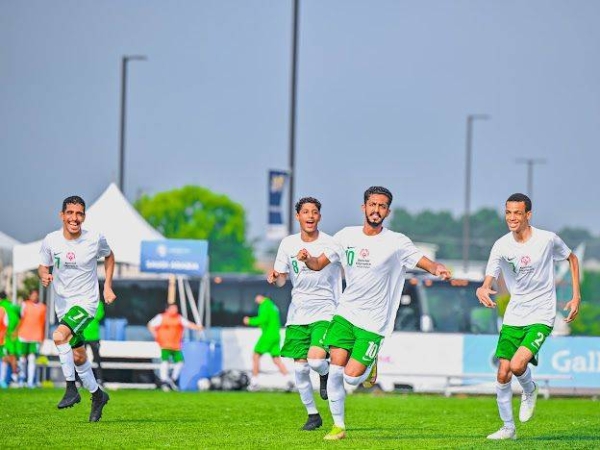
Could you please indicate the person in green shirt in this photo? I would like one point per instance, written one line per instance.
(269, 321)
(91, 338)
(9, 355)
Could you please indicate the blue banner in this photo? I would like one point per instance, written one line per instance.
(182, 256)
(575, 357)
(275, 226)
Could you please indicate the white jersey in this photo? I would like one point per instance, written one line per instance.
(375, 268)
(314, 293)
(75, 276)
(528, 270)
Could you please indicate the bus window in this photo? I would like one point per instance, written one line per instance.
(408, 317)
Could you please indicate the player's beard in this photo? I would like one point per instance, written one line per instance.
(374, 224)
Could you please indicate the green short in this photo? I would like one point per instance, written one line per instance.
(28, 348)
(299, 339)
(10, 346)
(363, 345)
(173, 355)
(268, 343)
(512, 337)
(76, 319)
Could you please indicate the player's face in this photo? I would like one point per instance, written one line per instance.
(172, 310)
(376, 209)
(309, 217)
(34, 296)
(516, 217)
(72, 218)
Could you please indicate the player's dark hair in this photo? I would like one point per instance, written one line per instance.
(2, 295)
(73, 200)
(520, 198)
(379, 190)
(170, 304)
(305, 200)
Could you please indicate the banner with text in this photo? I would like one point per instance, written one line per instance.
(276, 229)
(182, 256)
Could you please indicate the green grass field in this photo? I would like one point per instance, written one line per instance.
(151, 419)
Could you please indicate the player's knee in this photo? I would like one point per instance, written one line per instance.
(518, 367)
(60, 337)
(353, 381)
(318, 365)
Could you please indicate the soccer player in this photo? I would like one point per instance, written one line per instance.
(167, 329)
(525, 256)
(269, 321)
(3, 328)
(314, 298)
(73, 254)
(11, 351)
(31, 336)
(91, 338)
(375, 261)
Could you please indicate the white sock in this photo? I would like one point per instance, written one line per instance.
(164, 371)
(22, 367)
(526, 381)
(65, 355)
(504, 400)
(87, 376)
(305, 389)
(254, 381)
(336, 394)
(177, 370)
(321, 366)
(3, 371)
(31, 369)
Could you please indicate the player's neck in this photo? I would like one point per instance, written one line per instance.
(522, 236)
(71, 236)
(372, 231)
(311, 236)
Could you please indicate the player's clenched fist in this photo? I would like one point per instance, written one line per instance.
(46, 279)
(272, 276)
(303, 255)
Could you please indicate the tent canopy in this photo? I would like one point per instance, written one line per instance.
(114, 217)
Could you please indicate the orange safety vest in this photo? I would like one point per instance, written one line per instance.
(3, 327)
(170, 332)
(33, 322)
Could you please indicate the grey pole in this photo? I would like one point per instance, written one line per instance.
(124, 61)
(530, 163)
(467, 216)
(292, 142)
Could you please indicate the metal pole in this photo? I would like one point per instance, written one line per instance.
(292, 143)
(467, 216)
(531, 162)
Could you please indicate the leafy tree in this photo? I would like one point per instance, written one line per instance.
(575, 236)
(194, 212)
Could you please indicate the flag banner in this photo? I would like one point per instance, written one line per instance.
(276, 229)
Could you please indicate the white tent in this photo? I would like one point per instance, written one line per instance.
(111, 215)
(6, 245)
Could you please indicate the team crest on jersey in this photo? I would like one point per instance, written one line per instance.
(70, 256)
(525, 260)
(70, 262)
(364, 253)
(363, 261)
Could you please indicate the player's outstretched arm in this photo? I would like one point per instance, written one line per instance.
(276, 278)
(109, 268)
(434, 268)
(573, 305)
(312, 262)
(484, 291)
(45, 275)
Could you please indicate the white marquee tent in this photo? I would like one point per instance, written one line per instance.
(113, 216)
(6, 245)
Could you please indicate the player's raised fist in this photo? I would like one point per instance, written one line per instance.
(272, 276)
(303, 255)
(47, 279)
(109, 295)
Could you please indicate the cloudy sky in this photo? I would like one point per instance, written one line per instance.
(384, 90)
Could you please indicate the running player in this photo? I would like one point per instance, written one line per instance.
(167, 329)
(525, 256)
(73, 255)
(375, 261)
(31, 336)
(314, 298)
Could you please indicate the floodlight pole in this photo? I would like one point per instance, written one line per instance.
(292, 137)
(530, 163)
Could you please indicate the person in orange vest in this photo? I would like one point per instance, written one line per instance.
(167, 329)
(31, 335)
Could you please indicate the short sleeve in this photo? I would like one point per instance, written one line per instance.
(281, 260)
(186, 323)
(46, 253)
(409, 254)
(493, 266)
(156, 321)
(103, 248)
(560, 251)
(333, 252)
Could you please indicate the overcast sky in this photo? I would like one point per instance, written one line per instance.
(384, 88)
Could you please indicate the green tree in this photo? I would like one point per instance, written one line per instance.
(194, 212)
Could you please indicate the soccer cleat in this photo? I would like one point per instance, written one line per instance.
(99, 399)
(528, 404)
(335, 434)
(372, 378)
(71, 396)
(323, 385)
(172, 384)
(313, 422)
(503, 433)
